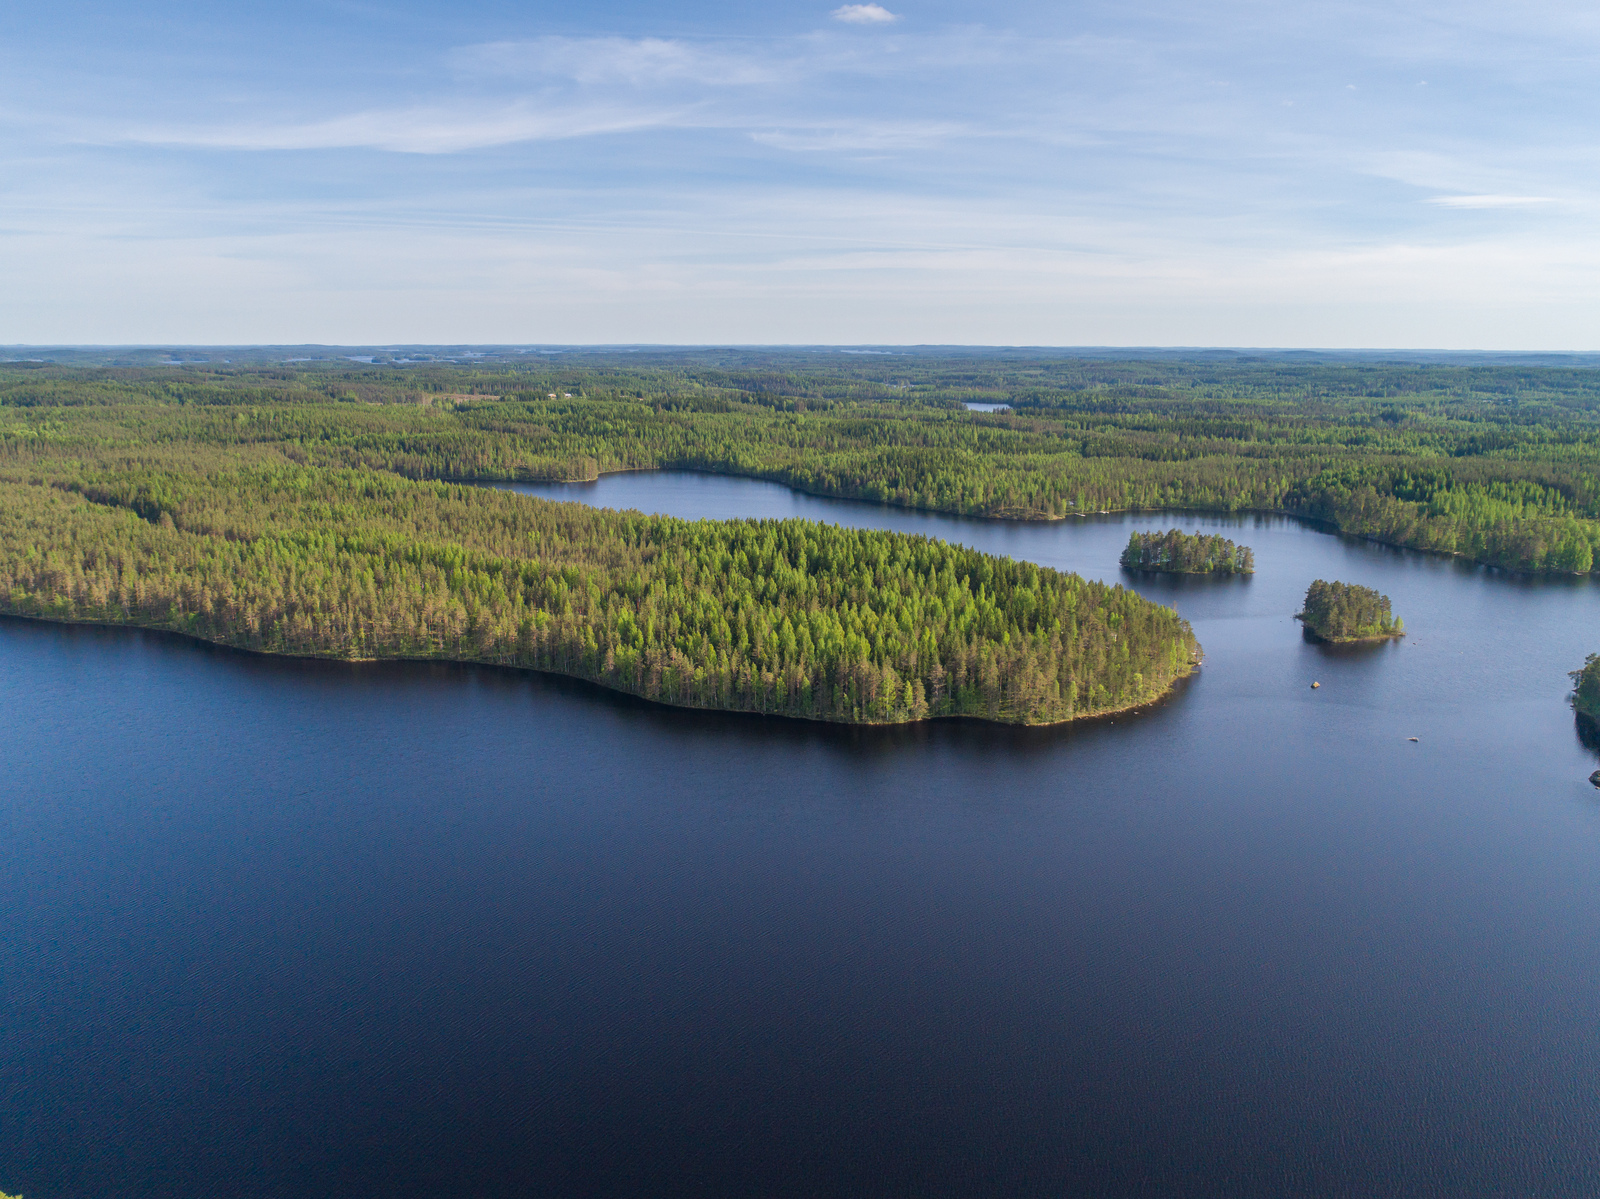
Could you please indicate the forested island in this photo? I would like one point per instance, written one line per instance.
(203, 522)
(1175, 552)
(1343, 612)
(1586, 690)
(1496, 463)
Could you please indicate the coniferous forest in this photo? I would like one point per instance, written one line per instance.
(207, 520)
(318, 507)
(1498, 464)
(1348, 612)
(1176, 552)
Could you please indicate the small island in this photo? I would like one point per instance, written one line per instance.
(1340, 613)
(1586, 691)
(1175, 552)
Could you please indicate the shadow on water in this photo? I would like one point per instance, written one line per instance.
(1350, 651)
(1588, 730)
(1177, 582)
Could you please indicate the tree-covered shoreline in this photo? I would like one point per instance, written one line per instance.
(327, 488)
(790, 618)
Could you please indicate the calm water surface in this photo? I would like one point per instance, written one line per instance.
(278, 928)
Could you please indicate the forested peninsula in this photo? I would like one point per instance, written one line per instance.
(1497, 463)
(199, 521)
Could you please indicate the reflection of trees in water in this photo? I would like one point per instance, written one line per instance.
(1588, 730)
(1365, 648)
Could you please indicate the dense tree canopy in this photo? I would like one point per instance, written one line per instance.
(1348, 612)
(791, 617)
(1182, 553)
(1498, 464)
(312, 508)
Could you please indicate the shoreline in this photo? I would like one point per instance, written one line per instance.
(1194, 574)
(198, 639)
(1323, 639)
(1320, 523)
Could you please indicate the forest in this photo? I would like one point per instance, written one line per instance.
(1348, 612)
(1498, 464)
(1176, 552)
(245, 543)
(319, 506)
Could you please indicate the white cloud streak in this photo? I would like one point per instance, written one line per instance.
(422, 130)
(1490, 201)
(858, 136)
(562, 88)
(635, 62)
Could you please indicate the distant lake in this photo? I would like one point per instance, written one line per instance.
(277, 927)
(979, 406)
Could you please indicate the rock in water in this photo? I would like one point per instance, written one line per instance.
(1595, 778)
(1314, 686)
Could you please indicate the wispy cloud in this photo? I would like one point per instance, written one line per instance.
(1490, 201)
(421, 130)
(628, 177)
(554, 88)
(864, 14)
(637, 62)
(863, 135)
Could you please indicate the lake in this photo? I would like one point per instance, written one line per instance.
(277, 927)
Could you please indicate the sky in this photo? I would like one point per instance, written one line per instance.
(1145, 172)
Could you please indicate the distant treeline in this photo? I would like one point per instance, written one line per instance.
(1498, 464)
(1348, 612)
(1586, 688)
(1183, 553)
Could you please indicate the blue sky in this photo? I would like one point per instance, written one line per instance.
(1135, 173)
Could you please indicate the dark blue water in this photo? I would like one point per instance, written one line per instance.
(277, 928)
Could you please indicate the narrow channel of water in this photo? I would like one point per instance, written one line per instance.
(278, 927)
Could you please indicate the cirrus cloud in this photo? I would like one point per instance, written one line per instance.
(637, 62)
(422, 130)
(1488, 201)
